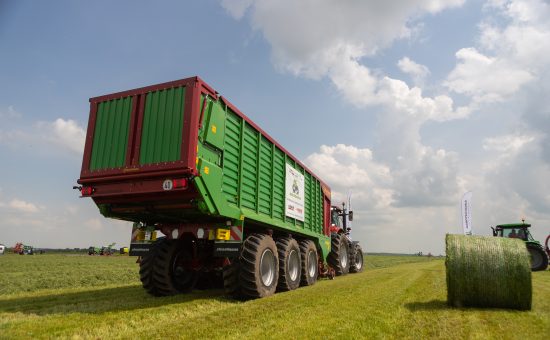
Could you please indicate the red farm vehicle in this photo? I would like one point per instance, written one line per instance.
(22, 249)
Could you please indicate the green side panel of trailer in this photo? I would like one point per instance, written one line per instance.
(242, 175)
(162, 126)
(111, 134)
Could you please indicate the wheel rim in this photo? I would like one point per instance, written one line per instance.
(311, 264)
(359, 261)
(344, 256)
(267, 267)
(293, 264)
(536, 258)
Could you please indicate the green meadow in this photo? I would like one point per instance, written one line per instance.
(80, 296)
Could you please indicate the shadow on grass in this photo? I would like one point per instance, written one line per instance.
(432, 305)
(102, 300)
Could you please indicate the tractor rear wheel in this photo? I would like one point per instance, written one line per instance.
(539, 258)
(166, 269)
(338, 257)
(310, 266)
(259, 267)
(357, 265)
(289, 264)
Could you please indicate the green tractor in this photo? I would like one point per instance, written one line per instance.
(539, 257)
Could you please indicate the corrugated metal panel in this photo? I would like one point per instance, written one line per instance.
(249, 168)
(231, 158)
(111, 134)
(265, 191)
(162, 126)
(254, 174)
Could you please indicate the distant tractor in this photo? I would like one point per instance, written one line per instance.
(94, 250)
(346, 255)
(539, 256)
(109, 250)
(22, 249)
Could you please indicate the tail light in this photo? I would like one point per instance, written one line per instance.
(87, 191)
(178, 183)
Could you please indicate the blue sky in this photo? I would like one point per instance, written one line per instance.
(406, 104)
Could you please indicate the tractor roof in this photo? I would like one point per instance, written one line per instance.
(513, 225)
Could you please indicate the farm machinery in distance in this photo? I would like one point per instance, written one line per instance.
(22, 249)
(539, 253)
(108, 250)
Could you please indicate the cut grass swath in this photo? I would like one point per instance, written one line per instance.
(487, 272)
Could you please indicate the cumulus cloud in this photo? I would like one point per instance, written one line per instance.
(417, 71)
(484, 78)
(334, 37)
(22, 206)
(508, 57)
(63, 134)
(66, 134)
(349, 168)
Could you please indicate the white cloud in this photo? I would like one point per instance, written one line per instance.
(508, 57)
(484, 78)
(333, 39)
(349, 168)
(509, 144)
(417, 71)
(23, 206)
(66, 134)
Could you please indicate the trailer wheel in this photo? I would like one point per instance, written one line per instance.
(165, 269)
(338, 257)
(310, 265)
(289, 264)
(259, 267)
(357, 265)
(539, 259)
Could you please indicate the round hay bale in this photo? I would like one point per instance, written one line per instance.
(487, 272)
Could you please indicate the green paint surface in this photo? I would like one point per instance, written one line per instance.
(162, 126)
(111, 134)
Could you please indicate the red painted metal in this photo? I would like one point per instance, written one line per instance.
(89, 138)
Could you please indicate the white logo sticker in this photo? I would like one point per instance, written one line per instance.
(168, 185)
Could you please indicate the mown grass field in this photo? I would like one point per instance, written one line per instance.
(63, 296)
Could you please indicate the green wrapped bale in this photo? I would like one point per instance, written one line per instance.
(487, 272)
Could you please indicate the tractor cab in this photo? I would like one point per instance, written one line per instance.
(539, 257)
(338, 221)
(336, 217)
(514, 230)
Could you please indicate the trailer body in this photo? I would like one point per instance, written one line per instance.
(179, 158)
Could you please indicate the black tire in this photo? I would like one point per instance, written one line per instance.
(163, 270)
(231, 279)
(339, 258)
(539, 258)
(310, 263)
(357, 263)
(290, 264)
(259, 267)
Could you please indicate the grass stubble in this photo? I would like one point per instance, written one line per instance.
(395, 297)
